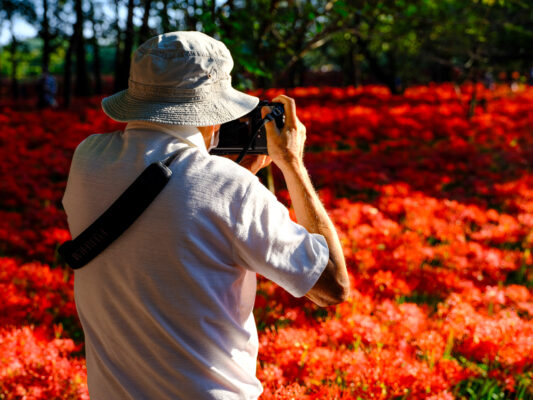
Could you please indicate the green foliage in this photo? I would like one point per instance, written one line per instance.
(484, 388)
(487, 385)
(272, 41)
(26, 55)
(522, 276)
(430, 299)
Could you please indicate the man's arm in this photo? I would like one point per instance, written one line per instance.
(286, 150)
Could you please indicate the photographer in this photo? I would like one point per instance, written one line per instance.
(167, 308)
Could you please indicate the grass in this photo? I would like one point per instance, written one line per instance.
(522, 276)
(430, 299)
(484, 388)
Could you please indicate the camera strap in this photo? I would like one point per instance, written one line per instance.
(269, 117)
(119, 216)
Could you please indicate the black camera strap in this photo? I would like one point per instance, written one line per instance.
(269, 117)
(119, 216)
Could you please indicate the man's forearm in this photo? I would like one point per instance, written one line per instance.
(310, 213)
(286, 149)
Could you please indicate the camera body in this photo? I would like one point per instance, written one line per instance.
(236, 135)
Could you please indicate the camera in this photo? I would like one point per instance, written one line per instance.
(248, 134)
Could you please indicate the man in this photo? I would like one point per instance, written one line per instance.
(167, 308)
(47, 90)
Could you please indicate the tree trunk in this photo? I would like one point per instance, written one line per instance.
(190, 19)
(128, 47)
(96, 53)
(473, 100)
(82, 81)
(67, 73)
(225, 23)
(165, 21)
(1, 60)
(97, 68)
(350, 65)
(396, 85)
(118, 66)
(267, 178)
(46, 36)
(1, 83)
(14, 63)
(384, 75)
(208, 11)
(295, 74)
(144, 32)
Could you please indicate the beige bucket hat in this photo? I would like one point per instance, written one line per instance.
(180, 78)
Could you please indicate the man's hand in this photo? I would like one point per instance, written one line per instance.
(253, 162)
(285, 147)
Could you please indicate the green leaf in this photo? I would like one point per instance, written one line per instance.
(319, 27)
(340, 8)
(253, 68)
(411, 10)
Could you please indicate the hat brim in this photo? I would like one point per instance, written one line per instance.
(223, 106)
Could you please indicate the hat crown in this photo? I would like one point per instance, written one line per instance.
(180, 60)
(180, 78)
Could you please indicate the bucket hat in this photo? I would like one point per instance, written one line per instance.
(180, 78)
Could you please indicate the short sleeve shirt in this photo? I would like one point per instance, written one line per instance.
(167, 308)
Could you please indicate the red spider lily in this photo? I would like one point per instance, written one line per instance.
(35, 367)
(434, 211)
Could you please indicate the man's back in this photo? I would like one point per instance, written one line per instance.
(167, 308)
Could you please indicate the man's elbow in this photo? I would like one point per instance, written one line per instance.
(342, 292)
(333, 286)
(337, 294)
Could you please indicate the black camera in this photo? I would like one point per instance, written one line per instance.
(247, 135)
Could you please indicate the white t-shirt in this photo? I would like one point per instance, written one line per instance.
(167, 308)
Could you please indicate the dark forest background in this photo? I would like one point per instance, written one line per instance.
(87, 44)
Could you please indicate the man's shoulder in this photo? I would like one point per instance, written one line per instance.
(218, 176)
(229, 168)
(94, 143)
(221, 168)
(100, 137)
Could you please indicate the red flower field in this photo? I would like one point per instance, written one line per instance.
(435, 213)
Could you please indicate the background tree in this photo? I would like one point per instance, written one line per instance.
(96, 22)
(165, 24)
(82, 78)
(9, 10)
(129, 37)
(145, 32)
(46, 35)
(288, 43)
(118, 47)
